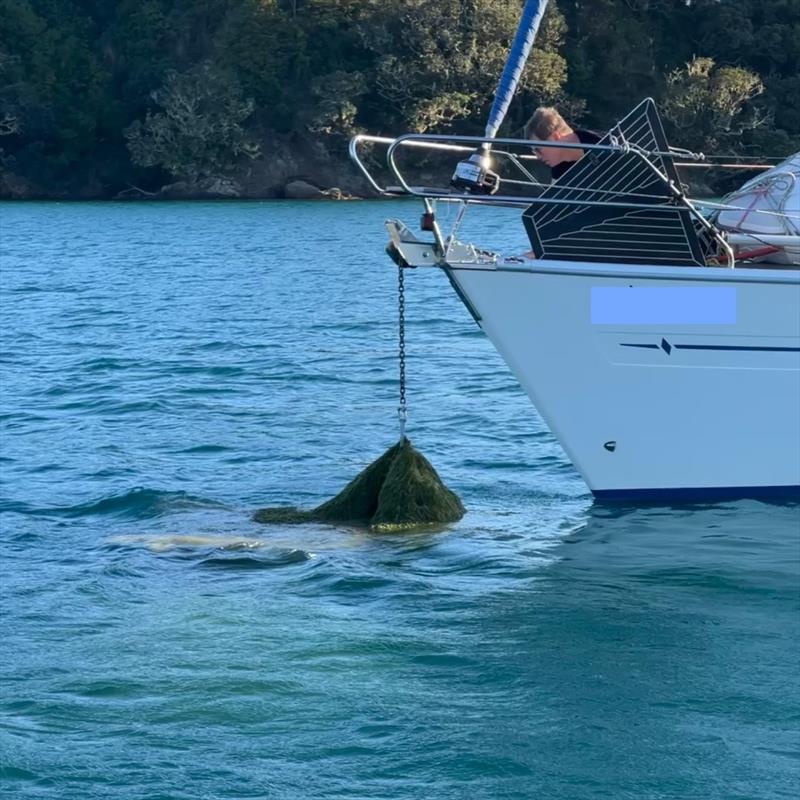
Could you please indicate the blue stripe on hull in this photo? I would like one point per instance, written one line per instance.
(698, 494)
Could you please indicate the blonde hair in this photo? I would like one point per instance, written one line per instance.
(545, 122)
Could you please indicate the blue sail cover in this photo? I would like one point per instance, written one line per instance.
(515, 63)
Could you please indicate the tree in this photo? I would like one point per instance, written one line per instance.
(75, 75)
(336, 96)
(198, 133)
(265, 47)
(439, 62)
(51, 80)
(708, 105)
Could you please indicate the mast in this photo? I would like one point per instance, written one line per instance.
(474, 175)
(515, 63)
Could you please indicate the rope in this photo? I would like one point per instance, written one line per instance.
(734, 157)
(402, 410)
(789, 213)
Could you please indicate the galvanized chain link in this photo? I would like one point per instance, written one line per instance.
(402, 411)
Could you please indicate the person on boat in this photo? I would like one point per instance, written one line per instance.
(547, 124)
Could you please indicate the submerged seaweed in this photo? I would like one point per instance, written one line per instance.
(398, 491)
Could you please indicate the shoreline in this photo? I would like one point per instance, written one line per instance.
(230, 189)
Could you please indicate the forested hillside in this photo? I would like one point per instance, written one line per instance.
(100, 95)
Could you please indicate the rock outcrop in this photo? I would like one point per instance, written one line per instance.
(302, 190)
(206, 188)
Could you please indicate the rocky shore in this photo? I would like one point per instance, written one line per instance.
(292, 171)
(231, 189)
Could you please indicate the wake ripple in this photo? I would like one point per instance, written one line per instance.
(255, 562)
(138, 503)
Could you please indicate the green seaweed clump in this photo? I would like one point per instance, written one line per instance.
(286, 515)
(398, 491)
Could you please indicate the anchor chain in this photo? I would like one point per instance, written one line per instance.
(402, 410)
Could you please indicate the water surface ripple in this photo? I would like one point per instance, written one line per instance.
(168, 368)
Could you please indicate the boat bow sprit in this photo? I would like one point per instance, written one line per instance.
(660, 343)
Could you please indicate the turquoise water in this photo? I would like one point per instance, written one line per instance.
(168, 368)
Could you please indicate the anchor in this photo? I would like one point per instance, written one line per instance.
(398, 491)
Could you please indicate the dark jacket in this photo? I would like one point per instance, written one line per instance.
(587, 137)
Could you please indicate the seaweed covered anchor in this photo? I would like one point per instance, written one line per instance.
(401, 489)
(398, 491)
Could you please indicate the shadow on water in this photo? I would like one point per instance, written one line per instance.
(738, 534)
(655, 647)
(744, 547)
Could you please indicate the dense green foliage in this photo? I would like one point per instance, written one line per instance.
(99, 94)
(197, 132)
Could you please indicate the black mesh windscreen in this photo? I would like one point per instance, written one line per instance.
(620, 230)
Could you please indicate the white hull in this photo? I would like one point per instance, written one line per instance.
(654, 385)
(661, 373)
